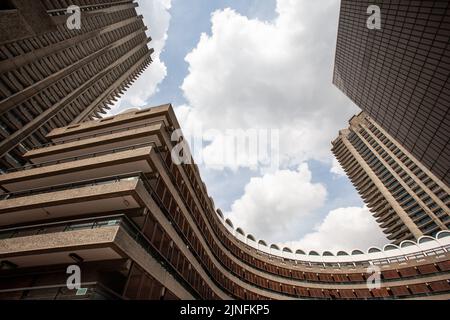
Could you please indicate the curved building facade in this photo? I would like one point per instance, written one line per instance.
(106, 196)
(103, 212)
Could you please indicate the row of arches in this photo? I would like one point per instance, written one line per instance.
(372, 250)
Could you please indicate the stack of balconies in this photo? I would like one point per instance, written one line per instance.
(105, 195)
(52, 79)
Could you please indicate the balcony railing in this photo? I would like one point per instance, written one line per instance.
(121, 220)
(65, 226)
(89, 290)
(100, 134)
(82, 157)
(63, 11)
(72, 185)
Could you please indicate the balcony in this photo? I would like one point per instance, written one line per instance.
(71, 199)
(151, 134)
(109, 238)
(89, 291)
(154, 115)
(111, 162)
(57, 243)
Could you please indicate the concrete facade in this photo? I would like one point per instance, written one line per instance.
(407, 199)
(153, 226)
(51, 76)
(398, 74)
(105, 194)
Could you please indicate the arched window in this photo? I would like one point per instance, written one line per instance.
(390, 247)
(262, 242)
(274, 246)
(443, 234)
(425, 239)
(407, 243)
(374, 250)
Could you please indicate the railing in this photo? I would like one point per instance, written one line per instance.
(100, 134)
(92, 223)
(72, 185)
(82, 157)
(65, 226)
(357, 263)
(91, 290)
(63, 11)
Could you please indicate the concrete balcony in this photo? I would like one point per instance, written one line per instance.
(109, 163)
(68, 200)
(64, 243)
(140, 135)
(162, 114)
(82, 241)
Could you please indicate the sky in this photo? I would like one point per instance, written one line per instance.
(262, 67)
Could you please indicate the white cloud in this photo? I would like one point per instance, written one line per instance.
(274, 75)
(343, 229)
(252, 74)
(249, 73)
(337, 169)
(256, 149)
(273, 206)
(157, 19)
